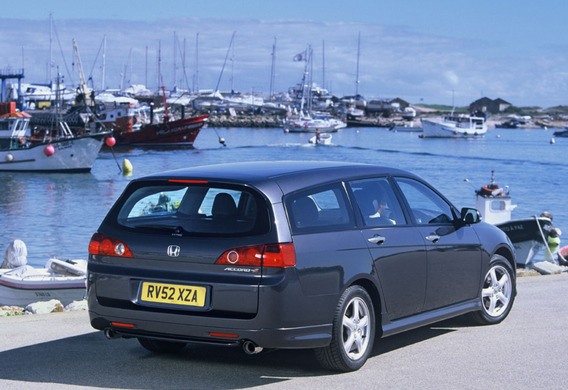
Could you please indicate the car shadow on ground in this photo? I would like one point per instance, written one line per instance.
(92, 360)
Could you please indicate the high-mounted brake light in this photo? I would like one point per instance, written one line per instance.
(271, 255)
(107, 246)
(188, 181)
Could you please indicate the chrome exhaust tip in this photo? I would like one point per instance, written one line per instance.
(251, 348)
(111, 334)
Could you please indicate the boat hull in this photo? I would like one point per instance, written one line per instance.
(181, 132)
(314, 125)
(24, 291)
(526, 236)
(75, 154)
(468, 128)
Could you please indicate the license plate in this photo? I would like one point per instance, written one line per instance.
(175, 294)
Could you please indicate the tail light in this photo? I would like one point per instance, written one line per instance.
(271, 255)
(107, 246)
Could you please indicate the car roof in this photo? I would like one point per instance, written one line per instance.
(289, 175)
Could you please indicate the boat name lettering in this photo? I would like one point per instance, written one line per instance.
(63, 145)
(42, 294)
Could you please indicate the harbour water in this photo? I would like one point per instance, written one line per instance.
(56, 214)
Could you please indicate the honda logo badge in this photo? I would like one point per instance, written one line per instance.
(173, 250)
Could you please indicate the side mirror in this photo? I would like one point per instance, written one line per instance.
(470, 216)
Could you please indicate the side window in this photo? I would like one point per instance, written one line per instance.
(377, 202)
(319, 209)
(426, 206)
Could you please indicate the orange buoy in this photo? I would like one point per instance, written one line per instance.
(110, 141)
(49, 150)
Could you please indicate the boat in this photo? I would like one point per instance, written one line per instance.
(45, 150)
(510, 124)
(307, 124)
(179, 132)
(454, 126)
(308, 121)
(22, 284)
(321, 139)
(406, 128)
(562, 133)
(528, 235)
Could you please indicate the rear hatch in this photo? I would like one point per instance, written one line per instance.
(183, 245)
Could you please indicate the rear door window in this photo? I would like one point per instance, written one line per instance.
(377, 202)
(200, 209)
(319, 209)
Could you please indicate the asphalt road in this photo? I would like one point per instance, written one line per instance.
(529, 350)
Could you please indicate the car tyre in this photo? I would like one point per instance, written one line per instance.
(161, 346)
(353, 332)
(497, 292)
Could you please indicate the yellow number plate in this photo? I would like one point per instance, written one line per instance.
(173, 294)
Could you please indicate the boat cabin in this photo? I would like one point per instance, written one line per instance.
(14, 126)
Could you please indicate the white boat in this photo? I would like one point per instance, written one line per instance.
(21, 284)
(321, 139)
(51, 151)
(528, 235)
(454, 126)
(306, 124)
(308, 121)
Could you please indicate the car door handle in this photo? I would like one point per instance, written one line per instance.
(376, 239)
(433, 237)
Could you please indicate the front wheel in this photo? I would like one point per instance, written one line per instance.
(353, 332)
(497, 293)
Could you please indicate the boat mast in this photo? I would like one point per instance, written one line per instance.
(272, 68)
(50, 51)
(358, 53)
(196, 87)
(323, 63)
(104, 63)
(175, 47)
(225, 62)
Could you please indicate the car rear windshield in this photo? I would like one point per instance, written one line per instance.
(194, 209)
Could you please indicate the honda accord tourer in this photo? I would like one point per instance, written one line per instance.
(292, 254)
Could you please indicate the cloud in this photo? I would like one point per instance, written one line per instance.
(451, 78)
(394, 61)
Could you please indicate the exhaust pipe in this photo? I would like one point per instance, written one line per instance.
(111, 334)
(251, 348)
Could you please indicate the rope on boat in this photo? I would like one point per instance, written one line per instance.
(545, 240)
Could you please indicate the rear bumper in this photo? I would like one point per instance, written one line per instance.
(220, 331)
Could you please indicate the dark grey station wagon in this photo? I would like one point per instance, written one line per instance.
(292, 254)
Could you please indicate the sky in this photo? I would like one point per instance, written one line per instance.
(448, 52)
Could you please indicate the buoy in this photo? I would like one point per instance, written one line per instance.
(126, 167)
(49, 150)
(222, 141)
(552, 141)
(9, 157)
(498, 135)
(110, 141)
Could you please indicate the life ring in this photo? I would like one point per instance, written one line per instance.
(491, 190)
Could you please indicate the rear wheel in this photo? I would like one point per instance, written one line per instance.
(497, 293)
(161, 346)
(353, 332)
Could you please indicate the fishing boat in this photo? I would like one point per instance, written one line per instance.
(528, 235)
(179, 132)
(22, 284)
(47, 150)
(454, 126)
